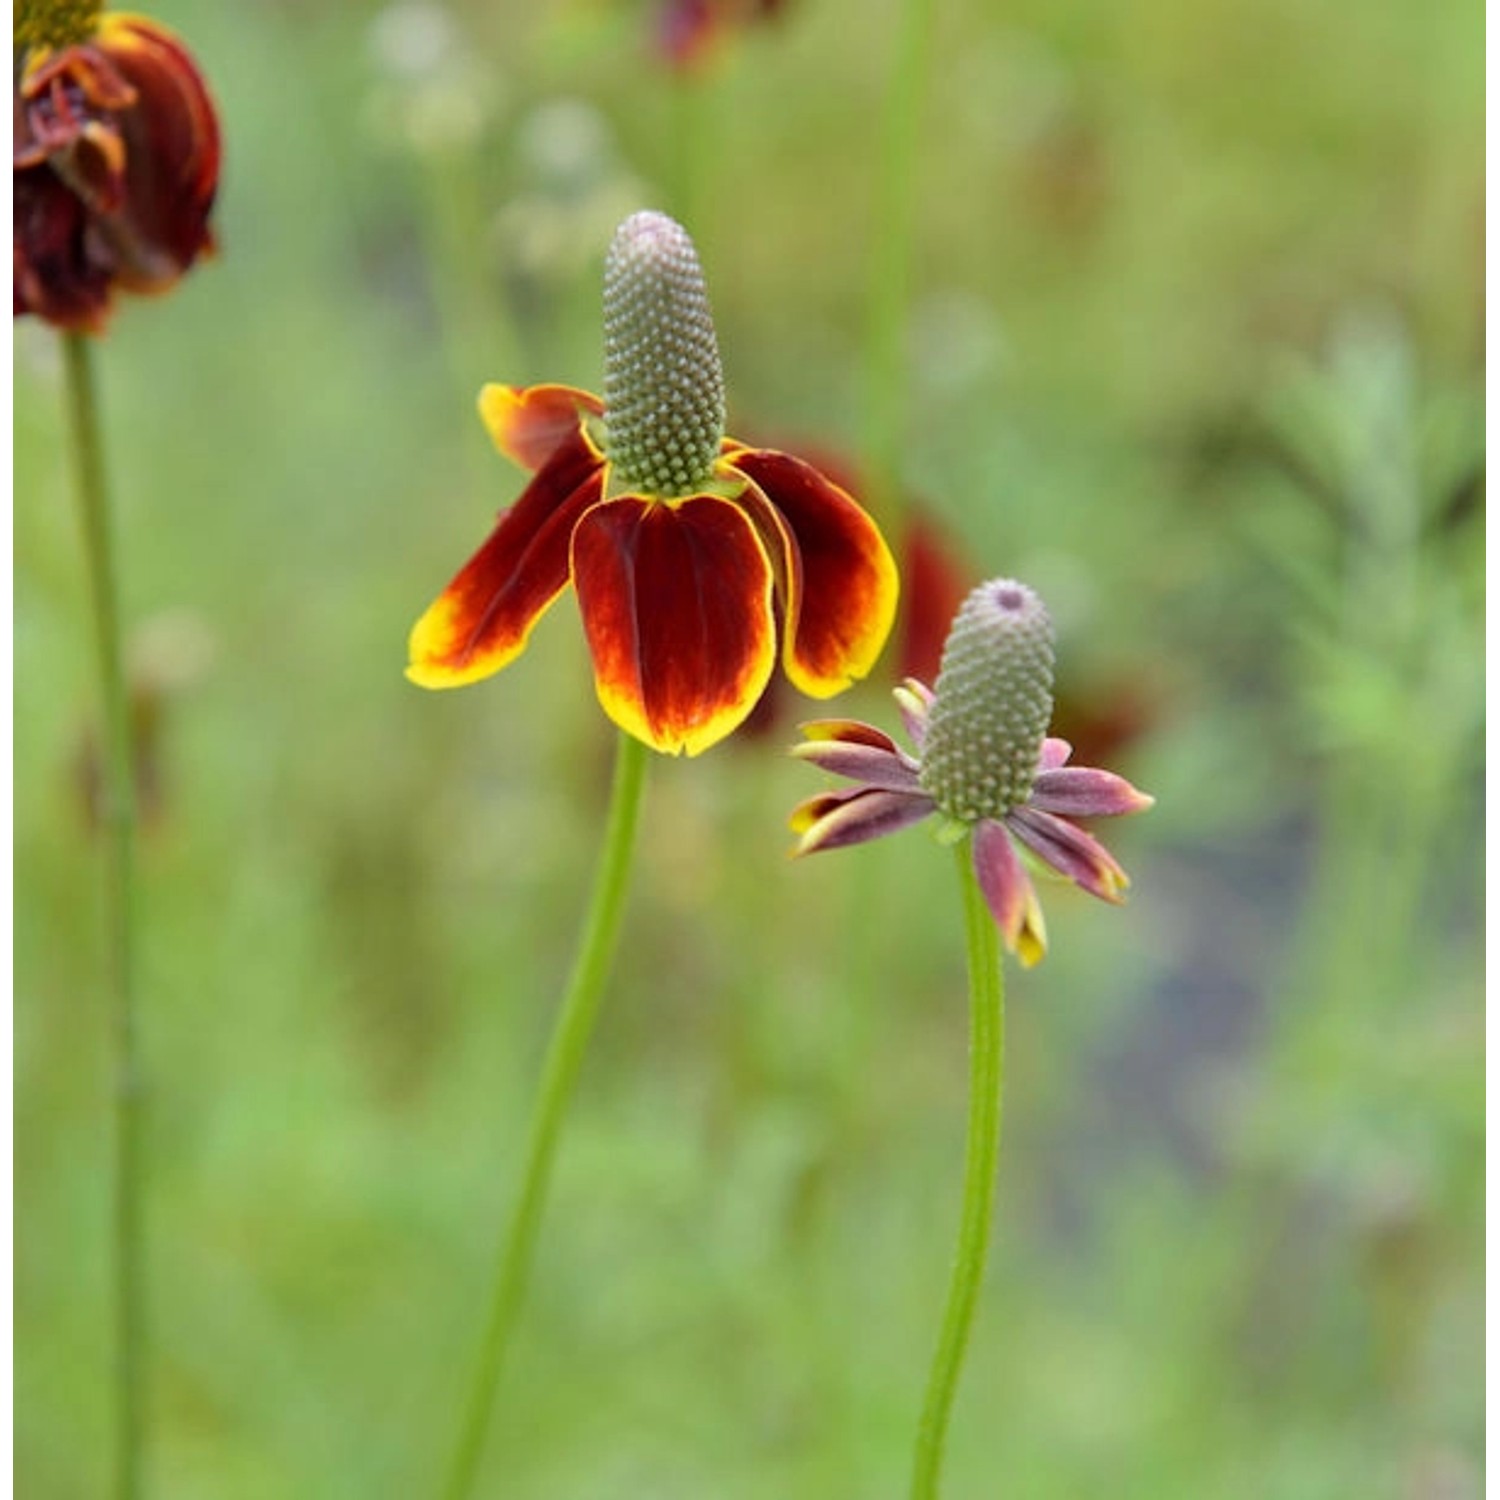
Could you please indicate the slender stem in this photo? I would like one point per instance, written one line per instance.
(893, 237)
(981, 1152)
(570, 1036)
(119, 820)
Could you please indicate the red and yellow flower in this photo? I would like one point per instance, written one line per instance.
(116, 160)
(696, 560)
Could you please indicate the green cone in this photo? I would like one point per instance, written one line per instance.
(992, 704)
(663, 385)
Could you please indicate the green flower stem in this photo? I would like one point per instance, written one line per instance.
(570, 1036)
(893, 236)
(981, 1152)
(119, 819)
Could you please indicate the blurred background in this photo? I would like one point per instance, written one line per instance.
(1193, 345)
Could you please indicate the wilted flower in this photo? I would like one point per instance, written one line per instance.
(116, 160)
(689, 551)
(984, 763)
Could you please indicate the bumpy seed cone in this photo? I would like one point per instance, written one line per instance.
(663, 385)
(992, 705)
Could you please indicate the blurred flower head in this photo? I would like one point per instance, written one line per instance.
(690, 34)
(690, 553)
(115, 153)
(984, 763)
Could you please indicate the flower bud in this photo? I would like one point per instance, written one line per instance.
(992, 703)
(663, 385)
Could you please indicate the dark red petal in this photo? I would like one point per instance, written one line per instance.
(61, 270)
(481, 621)
(842, 601)
(529, 423)
(171, 136)
(676, 602)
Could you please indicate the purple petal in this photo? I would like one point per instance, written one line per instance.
(1008, 892)
(1070, 851)
(843, 818)
(1055, 753)
(891, 771)
(1084, 792)
(850, 732)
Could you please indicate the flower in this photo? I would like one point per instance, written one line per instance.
(984, 763)
(689, 552)
(116, 160)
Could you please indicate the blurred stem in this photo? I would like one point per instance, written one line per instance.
(570, 1036)
(981, 1153)
(119, 822)
(893, 237)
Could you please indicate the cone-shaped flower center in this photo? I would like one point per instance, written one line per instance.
(663, 385)
(992, 704)
(54, 23)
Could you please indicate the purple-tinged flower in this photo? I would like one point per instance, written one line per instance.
(984, 764)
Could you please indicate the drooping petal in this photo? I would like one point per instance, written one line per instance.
(1086, 792)
(676, 602)
(835, 820)
(529, 423)
(60, 272)
(1008, 892)
(819, 805)
(1055, 753)
(841, 599)
(172, 150)
(874, 767)
(1070, 851)
(481, 621)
